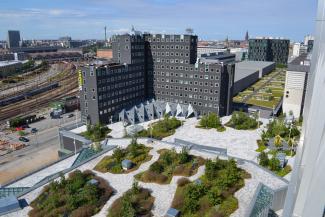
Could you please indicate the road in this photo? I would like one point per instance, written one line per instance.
(42, 148)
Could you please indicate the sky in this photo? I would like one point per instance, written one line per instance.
(210, 19)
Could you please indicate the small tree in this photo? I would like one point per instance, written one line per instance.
(118, 154)
(263, 159)
(184, 157)
(274, 164)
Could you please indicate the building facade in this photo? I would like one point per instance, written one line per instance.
(155, 66)
(269, 49)
(295, 85)
(13, 39)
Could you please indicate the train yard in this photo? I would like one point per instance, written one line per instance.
(61, 85)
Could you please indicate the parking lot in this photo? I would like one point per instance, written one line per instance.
(41, 149)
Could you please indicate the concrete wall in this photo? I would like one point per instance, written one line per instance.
(245, 82)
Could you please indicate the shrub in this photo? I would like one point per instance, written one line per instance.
(211, 120)
(228, 206)
(72, 196)
(274, 164)
(96, 133)
(263, 159)
(241, 121)
(184, 157)
(156, 167)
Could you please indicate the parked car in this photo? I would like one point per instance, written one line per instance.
(70, 115)
(23, 139)
(34, 130)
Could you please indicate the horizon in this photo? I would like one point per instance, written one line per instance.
(210, 20)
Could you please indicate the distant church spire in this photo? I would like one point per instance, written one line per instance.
(246, 36)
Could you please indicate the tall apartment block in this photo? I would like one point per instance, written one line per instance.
(295, 85)
(13, 38)
(155, 66)
(269, 49)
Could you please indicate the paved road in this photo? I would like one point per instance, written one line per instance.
(46, 136)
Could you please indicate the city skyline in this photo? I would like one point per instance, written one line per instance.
(86, 19)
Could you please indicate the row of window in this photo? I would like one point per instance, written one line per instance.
(121, 85)
(170, 54)
(172, 39)
(202, 104)
(121, 77)
(202, 69)
(190, 89)
(190, 96)
(106, 99)
(177, 47)
(185, 75)
(105, 71)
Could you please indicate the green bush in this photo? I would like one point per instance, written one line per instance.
(135, 202)
(96, 133)
(211, 120)
(71, 196)
(171, 163)
(263, 159)
(161, 129)
(137, 153)
(241, 121)
(214, 195)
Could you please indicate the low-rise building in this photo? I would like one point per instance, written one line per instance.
(248, 72)
(295, 85)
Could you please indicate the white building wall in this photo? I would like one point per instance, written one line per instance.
(296, 49)
(306, 197)
(294, 92)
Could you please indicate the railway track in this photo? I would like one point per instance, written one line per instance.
(68, 87)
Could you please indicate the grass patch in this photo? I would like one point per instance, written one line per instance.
(73, 196)
(161, 129)
(169, 164)
(214, 194)
(135, 202)
(137, 153)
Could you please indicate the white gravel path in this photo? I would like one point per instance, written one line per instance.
(238, 143)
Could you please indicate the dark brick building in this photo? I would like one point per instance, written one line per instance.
(269, 49)
(163, 67)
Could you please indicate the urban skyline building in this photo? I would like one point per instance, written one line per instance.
(155, 66)
(13, 39)
(269, 49)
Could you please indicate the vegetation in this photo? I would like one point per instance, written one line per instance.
(137, 153)
(278, 127)
(96, 133)
(261, 146)
(171, 163)
(135, 202)
(22, 133)
(273, 164)
(213, 195)
(212, 120)
(241, 121)
(73, 196)
(161, 129)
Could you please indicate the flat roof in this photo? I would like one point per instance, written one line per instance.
(249, 64)
(241, 73)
